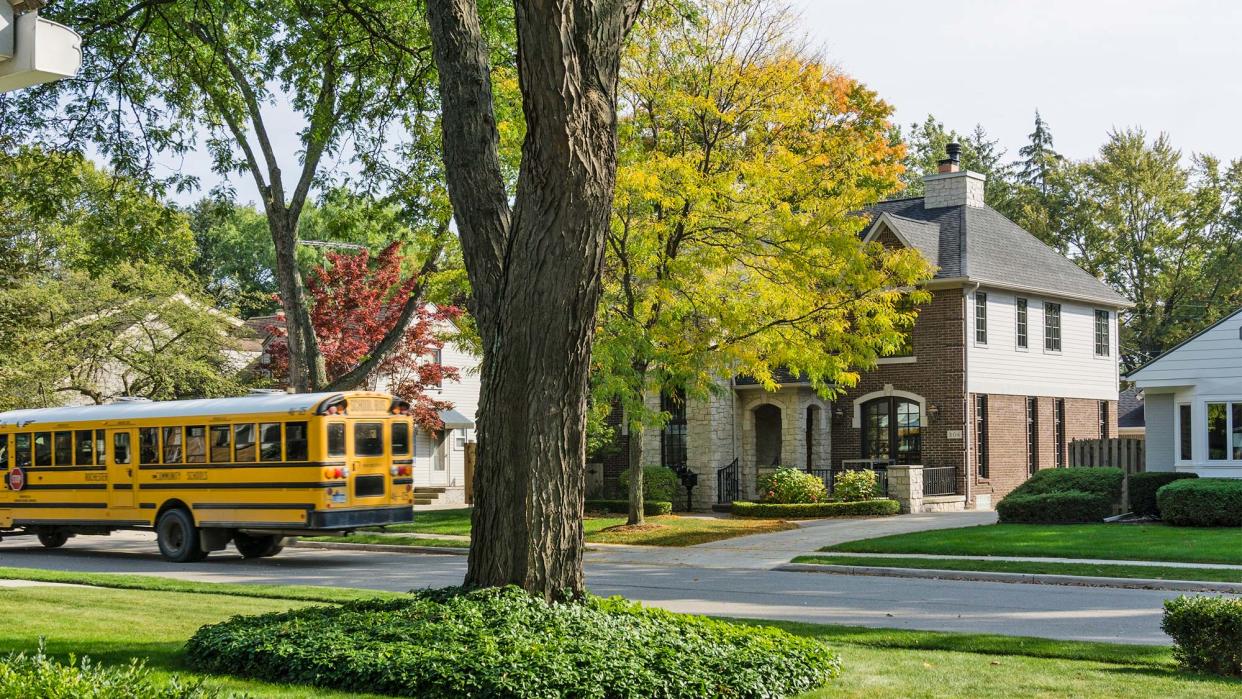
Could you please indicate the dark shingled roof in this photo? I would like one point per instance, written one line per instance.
(782, 376)
(1130, 409)
(982, 245)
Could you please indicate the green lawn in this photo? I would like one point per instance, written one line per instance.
(1091, 569)
(1139, 542)
(113, 625)
(668, 530)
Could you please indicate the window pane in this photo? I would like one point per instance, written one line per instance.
(368, 439)
(400, 438)
(43, 449)
(101, 447)
(295, 441)
(1103, 411)
(21, 450)
(172, 445)
(981, 435)
(673, 452)
(64, 448)
(876, 429)
(909, 433)
(1058, 418)
(1237, 431)
(269, 441)
(981, 318)
(84, 448)
(1101, 333)
(120, 447)
(1216, 424)
(336, 439)
(1022, 327)
(243, 443)
(196, 444)
(4, 452)
(1032, 435)
(221, 450)
(149, 445)
(1184, 433)
(1052, 327)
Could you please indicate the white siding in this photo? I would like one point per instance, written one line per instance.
(1158, 411)
(1002, 367)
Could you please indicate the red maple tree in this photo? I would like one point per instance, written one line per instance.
(356, 301)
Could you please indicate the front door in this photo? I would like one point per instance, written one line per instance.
(120, 463)
(439, 458)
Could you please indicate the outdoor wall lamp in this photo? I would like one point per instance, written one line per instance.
(932, 411)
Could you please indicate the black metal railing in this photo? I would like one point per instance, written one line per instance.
(829, 476)
(728, 480)
(939, 480)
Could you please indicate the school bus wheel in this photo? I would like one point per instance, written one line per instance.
(52, 538)
(258, 545)
(178, 537)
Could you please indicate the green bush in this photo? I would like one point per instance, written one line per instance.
(818, 509)
(659, 483)
(1207, 633)
(1054, 508)
(650, 507)
(37, 675)
(1104, 481)
(790, 485)
(505, 643)
(1201, 502)
(1143, 487)
(852, 486)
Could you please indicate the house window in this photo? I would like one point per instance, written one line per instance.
(673, 436)
(1217, 429)
(981, 318)
(1183, 432)
(893, 430)
(1052, 327)
(1103, 415)
(1058, 423)
(981, 435)
(1032, 435)
(1101, 333)
(1023, 334)
(439, 360)
(1236, 431)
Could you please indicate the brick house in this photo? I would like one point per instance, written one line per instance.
(1013, 358)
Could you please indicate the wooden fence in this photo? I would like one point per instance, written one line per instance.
(1125, 453)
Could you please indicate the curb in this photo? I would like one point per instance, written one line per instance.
(1024, 578)
(384, 548)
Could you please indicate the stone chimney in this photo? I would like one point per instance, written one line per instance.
(952, 186)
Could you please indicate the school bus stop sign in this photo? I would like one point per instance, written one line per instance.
(17, 479)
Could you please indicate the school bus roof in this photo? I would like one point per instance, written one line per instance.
(255, 403)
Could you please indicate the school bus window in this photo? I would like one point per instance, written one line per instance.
(21, 450)
(221, 449)
(149, 445)
(4, 452)
(84, 451)
(368, 439)
(336, 439)
(64, 448)
(43, 448)
(101, 447)
(400, 438)
(269, 441)
(196, 444)
(243, 443)
(120, 447)
(295, 441)
(172, 445)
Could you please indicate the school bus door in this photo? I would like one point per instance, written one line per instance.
(122, 456)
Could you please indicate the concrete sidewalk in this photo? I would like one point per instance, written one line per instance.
(1031, 559)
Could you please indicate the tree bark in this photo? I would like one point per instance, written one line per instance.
(534, 272)
(634, 460)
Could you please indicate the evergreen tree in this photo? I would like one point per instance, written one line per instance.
(925, 147)
(1037, 157)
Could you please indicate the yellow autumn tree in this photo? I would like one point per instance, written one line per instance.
(734, 248)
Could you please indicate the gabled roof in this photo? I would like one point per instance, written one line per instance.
(978, 244)
(1130, 408)
(1133, 374)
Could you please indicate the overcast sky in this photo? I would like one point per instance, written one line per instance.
(1088, 65)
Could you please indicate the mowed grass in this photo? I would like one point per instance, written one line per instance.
(1138, 542)
(114, 625)
(1088, 569)
(667, 530)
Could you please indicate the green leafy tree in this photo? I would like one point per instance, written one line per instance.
(734, 246)
(925, 147)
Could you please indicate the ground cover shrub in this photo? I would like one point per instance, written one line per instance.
(790, 485)
(1143, 487)
(863, 508)
(659, 483)
(1201, 502)
(651, 508)
(1207, 633)
(1064, 507)
(503, 642)
(852, 486)
(37, 675)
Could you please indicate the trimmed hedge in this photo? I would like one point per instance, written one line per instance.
(1201, 502)
(651, 508)
(506, 643)
(37, 675)
(659, 483)
(1103, 481)
(861, 508)
(1143, 487)
(1207, 633)
(1053, 508)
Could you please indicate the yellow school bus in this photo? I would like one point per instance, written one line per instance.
(252, 470)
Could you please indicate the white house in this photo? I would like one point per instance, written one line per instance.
(1192, 398)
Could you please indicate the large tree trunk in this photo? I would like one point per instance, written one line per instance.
(634, 459)
(534, 272)
(306, 364)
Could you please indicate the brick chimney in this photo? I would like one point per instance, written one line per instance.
(952, 186)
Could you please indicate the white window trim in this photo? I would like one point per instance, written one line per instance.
(1102, 357)
(1017, 346)
(974, 328)
(1177, 435)
(1207, 461)
(886, 392)
(904, 359)
(1060, 327)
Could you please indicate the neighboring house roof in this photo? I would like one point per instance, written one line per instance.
(1133, 374)
(254, 403)
(455, 420)
(1130, 408)
(978, 244)
(780, 375)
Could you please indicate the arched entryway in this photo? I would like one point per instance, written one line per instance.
(767, 435)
